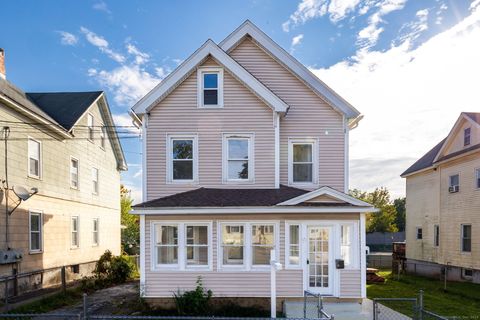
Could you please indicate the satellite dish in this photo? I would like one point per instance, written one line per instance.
(21, 192)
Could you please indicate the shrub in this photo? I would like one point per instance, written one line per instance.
(194, 302)
(121, 269)
(109, 270)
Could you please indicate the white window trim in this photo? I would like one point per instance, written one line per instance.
(416, 233)
(251, 157)
(169, 175)
(200, 72)
(315, 156)
(449, 182)
(181, 264)
(103, 137)
(461, 238)
(98, 181)
(92, 127)
(288, 265)
(247, 246)
(78, 173)
(40, 160)
(30, 213)
(71, 232)
(93, 232)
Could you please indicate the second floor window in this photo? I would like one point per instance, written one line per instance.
(466, 136)
(103, 135)
(182, 159)
(454, 183)
(477, 178)
(34, 158)
(74, 173)
(238, 162)
(210, 87)
(95, 180)
(90, 127)
(302, 162)
(466, 237)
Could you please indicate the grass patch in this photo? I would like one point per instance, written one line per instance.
(460, 299)
(55, 301)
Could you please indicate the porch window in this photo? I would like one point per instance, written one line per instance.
(210, 87)
(238, 154)
(197, 245)
(346, 241)
(263, 240)
(182, 159)
(233, 240)
(302, 161)
(293, 246)
(166, 243)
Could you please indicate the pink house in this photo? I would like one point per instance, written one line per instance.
(245, 151)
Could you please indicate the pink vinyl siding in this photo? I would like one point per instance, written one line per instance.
(308, 117)
(239, 283)
(178, 113)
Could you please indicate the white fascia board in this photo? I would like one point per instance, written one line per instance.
(179, 74)
(329, 192)
(451, 134)
(248, 210)
(324, 91)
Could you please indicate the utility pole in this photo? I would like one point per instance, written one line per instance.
(6, 134)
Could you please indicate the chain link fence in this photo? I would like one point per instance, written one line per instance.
(313, 307)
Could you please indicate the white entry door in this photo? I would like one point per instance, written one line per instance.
(319, 260)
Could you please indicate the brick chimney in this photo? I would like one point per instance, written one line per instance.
(2, 64)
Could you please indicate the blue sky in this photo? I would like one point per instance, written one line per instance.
(387, 57)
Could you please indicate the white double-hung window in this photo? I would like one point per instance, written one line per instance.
(73, 173)
(182, 157)
(182, 245)
(238, 165)
(246, 245)
(210, 87)
(34, 158)
(90, 127)
(302, 161)
(36, 232)
(95, 186)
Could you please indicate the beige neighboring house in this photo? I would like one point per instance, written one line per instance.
(64, 146)
(246, 151)
(443, 205)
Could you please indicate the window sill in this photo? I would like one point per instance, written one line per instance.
(303, 184)
(34, 177)
(35, 252)
(240, 182)
(74, 248)
(183, 182)
(73, 188)
(217, 106)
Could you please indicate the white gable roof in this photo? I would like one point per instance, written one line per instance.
(318, 86)
(179, 74)
(330, 192)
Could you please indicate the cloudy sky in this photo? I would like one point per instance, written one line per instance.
(409, 66)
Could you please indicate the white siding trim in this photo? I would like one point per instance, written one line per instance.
(363, 256)
(346, 166)
(277, 149)
(144, 157)
(143, 255)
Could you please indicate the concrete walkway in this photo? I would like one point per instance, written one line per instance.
(341, 310)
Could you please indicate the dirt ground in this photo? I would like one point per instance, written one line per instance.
(122, 299)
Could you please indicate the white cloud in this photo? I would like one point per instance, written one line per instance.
(412, 30)
(127, 82)
(138, 174)
(310, 9)
(368, 36)
(68, 39)
(135, 192)
(101, 6)
(140, 57)
(297, 40)
(101, 44)
(125, 123)
(411, 98)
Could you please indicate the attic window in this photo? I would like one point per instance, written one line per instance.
(466, 136)
(210, 87)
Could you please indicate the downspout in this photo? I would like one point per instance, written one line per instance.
(277, 149)
(144, 156)
(346, 131)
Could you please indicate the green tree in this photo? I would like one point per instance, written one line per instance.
(384, 220)
(400, 219)
(130, 223)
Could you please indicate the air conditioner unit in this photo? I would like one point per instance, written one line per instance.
(453, 189)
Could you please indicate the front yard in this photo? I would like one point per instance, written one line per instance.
(460, 299)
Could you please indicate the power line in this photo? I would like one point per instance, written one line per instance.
(59, 126)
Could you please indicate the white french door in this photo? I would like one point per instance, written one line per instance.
(320, 271)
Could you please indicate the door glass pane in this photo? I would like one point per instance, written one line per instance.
(318, 257)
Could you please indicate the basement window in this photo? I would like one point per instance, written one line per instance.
(210, 87)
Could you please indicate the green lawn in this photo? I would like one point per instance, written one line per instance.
(460, 299)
